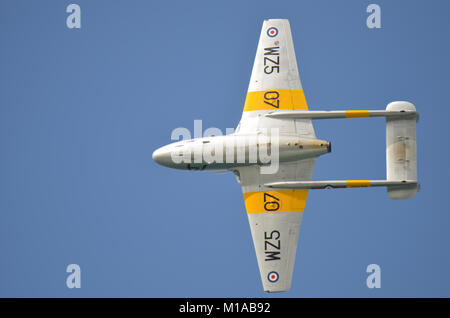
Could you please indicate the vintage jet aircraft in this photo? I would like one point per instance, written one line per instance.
(276, 118)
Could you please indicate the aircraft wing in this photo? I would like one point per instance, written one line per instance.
(275, 84)
(275, 214)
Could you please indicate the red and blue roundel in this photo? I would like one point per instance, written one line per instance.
(272, 32)
(273, 277)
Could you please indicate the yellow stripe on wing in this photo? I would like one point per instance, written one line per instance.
(275, 201)
(275, 99)
(357, 183)
(356, 113)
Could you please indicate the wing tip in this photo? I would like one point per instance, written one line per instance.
(276, 19)
(276, 291)
(277, 288)
(285, 21)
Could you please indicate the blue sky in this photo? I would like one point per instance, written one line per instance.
(81, 112)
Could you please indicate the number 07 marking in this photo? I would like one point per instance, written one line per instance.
(271, 202)
(272, 98)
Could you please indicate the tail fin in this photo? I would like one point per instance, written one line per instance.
(401, 151)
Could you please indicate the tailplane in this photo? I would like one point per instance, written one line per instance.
(401, 151)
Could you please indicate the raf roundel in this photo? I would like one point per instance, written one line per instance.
(272, 32)
(273, 277)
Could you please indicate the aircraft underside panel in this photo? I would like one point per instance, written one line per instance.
(275, 84)
(275, 216)
(275, 237)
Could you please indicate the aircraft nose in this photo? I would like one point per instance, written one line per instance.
(329, 146)
(161, 156)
